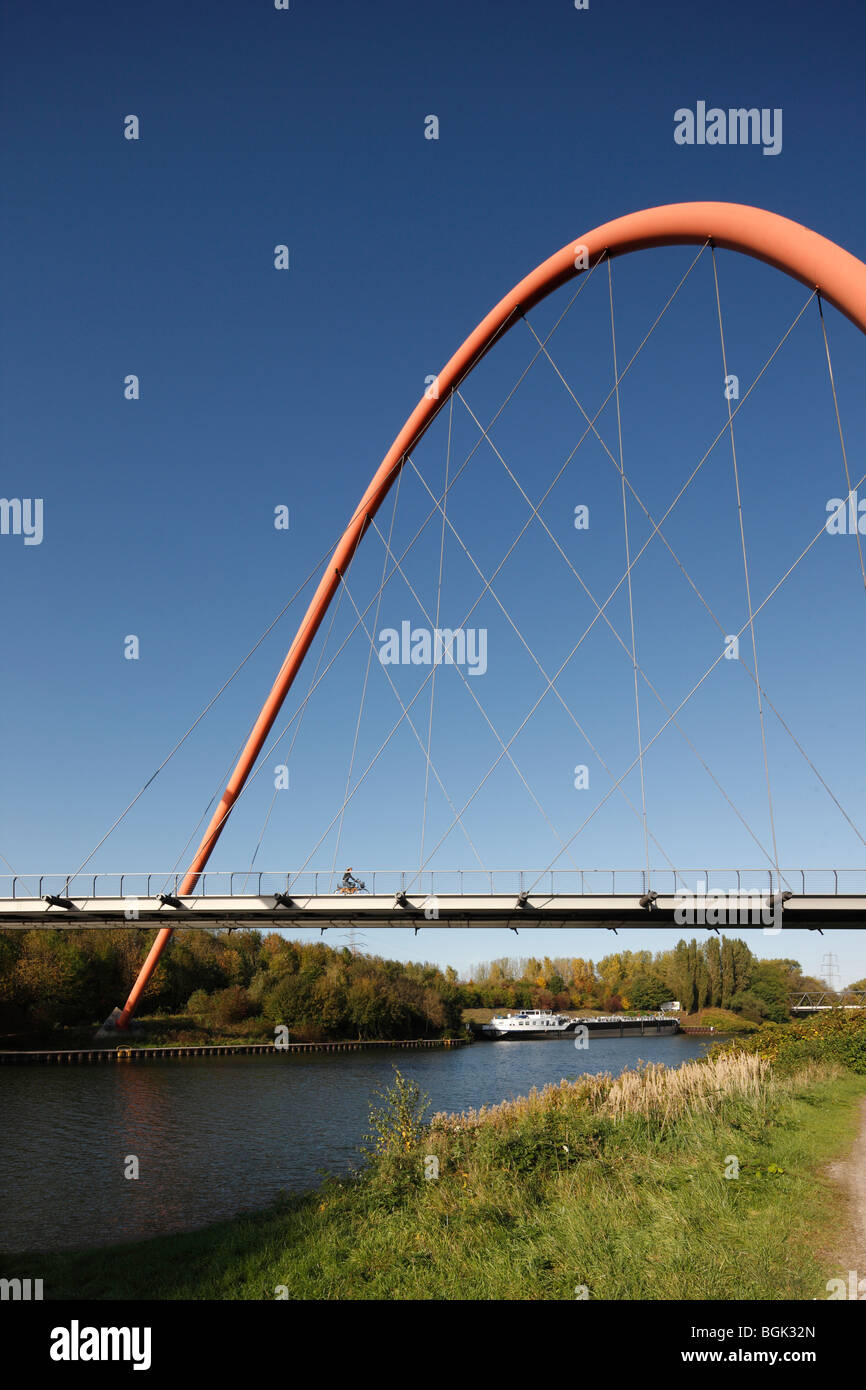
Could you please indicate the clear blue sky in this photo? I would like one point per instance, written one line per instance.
(262, 387)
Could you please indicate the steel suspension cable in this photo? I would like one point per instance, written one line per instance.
(297, 730)
(14, 875)
(663, 538)
(372, 640)
(173, 872)
(686, 485)
(701, 597)
(415, 697)
(297, 712)
(366, 677)
(483, 713)
(841, 435)
(311, 575)
(776, 587)
(222, 781)
(628, 571)
(746, 575)
(573, 717)
(615, 590)
(601, 612)
(436, 625)
(523, 640)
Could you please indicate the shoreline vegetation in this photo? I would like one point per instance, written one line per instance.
(185, 1030)
(222, 987)
(701, 1182)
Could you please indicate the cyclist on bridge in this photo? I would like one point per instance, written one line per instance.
(349, 884)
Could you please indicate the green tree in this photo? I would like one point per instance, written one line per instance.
(749, 1005)
(727, 986)
(648, 992)
(770, 985)
(713, 959)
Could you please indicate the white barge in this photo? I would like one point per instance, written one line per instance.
(528, 1023)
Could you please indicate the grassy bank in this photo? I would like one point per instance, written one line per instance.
(722, 1020)
(617, 1186)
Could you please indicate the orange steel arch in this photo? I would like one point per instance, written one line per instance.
(812, 259)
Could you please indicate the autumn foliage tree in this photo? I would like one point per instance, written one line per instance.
(223, 980)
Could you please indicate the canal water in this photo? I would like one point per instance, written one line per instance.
(218, 1135)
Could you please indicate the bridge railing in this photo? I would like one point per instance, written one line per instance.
(430, 882)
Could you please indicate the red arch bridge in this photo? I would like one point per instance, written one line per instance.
(772, 898)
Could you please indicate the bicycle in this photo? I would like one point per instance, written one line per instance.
(354, 885)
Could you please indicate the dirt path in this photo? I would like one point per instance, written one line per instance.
(850, 1174)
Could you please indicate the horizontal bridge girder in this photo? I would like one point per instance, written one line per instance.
(743, 910)
(823, 1008)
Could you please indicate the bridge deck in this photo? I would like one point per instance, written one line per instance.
(767, 912)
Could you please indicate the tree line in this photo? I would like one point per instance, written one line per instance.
(243, 980)
(228, 980)
(720, 972)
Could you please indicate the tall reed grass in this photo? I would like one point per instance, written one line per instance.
(652, 1092)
